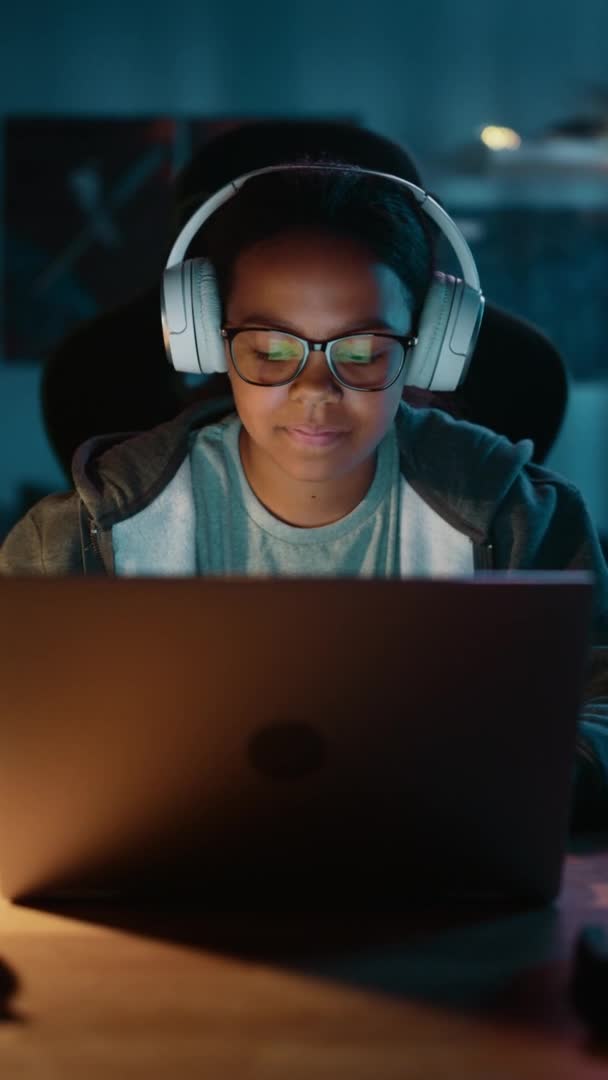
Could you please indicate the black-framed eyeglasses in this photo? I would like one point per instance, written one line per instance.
(368, 362)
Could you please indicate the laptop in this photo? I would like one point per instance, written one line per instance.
(226, 738)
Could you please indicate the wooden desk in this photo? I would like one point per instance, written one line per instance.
(117, 994)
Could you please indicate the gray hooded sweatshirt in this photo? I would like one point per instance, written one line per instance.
(516, 515)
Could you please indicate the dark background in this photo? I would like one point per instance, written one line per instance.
(99, 105)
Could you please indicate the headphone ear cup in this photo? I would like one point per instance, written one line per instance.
(447, 334)
(191, 314)
(176, 318)
(432, 329)
(207, 317)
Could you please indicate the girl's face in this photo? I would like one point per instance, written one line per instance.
(320, 287)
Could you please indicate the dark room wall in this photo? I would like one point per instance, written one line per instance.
(427, 74)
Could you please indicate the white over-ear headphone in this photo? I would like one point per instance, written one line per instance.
(449, 322)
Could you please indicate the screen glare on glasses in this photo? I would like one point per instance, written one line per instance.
(272, 357)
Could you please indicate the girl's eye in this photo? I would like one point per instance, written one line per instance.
(273, 356)
(360, 358)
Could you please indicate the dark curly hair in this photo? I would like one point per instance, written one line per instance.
(332, 198)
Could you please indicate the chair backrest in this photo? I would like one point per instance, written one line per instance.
(517, 383)
(112, 373)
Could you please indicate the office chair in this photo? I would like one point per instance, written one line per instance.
(111, 373)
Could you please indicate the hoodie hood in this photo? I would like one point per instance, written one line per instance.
(461, 470)
(118, 475)
(464, 472)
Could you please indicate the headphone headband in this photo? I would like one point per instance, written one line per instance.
(427, 203)
(191, 308)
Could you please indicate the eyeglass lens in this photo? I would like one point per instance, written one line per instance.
(363, 361)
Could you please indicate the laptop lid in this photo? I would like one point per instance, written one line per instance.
(214, 735)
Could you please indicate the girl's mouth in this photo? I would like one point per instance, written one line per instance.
(307, 435)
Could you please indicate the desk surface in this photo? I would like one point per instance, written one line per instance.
(119, 993)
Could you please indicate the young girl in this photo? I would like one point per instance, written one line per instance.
(316, 466)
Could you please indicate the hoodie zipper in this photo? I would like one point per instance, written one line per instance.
(89, 543)
(93, 533)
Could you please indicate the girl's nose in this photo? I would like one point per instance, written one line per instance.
(316, 380)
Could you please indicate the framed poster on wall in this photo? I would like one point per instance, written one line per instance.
(87, 217)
